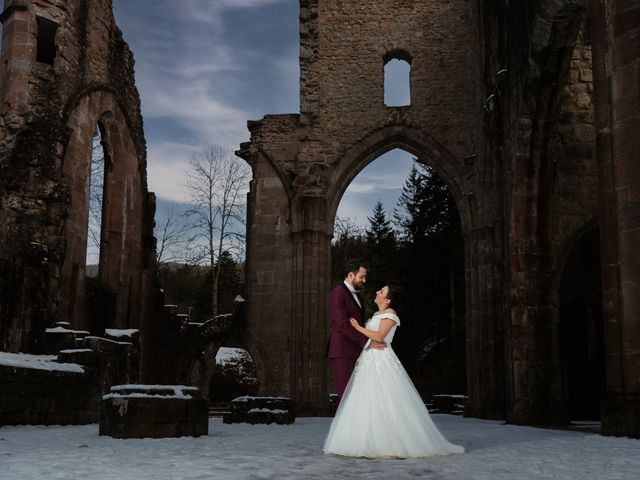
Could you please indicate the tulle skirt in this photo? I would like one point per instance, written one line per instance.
(381, 414)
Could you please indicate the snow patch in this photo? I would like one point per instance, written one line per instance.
(92, 337)
(38, 362)
(61, 329)
(121, 332)
(268, 410)
(147, 391)
(227, 355)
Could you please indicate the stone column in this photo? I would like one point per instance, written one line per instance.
(535, 383)
(309, 326)
(485, 346)
(617, 69)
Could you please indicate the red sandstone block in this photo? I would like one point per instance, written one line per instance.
(626, 20)
(625, 81)
(627, 151)
(626, 49)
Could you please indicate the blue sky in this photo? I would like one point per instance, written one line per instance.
(205, 67)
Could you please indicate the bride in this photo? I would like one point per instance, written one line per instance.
(381, 414)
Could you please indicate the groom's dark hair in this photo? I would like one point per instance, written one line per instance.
(353, 266)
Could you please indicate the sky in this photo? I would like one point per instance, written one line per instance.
(206, 67)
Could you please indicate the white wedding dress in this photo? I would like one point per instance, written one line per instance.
(381, 414)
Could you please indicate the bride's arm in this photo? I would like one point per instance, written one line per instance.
(385, 325)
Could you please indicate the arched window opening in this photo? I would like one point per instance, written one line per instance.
(399, 217)
(96, 187)
(397, 80)
(46, 42)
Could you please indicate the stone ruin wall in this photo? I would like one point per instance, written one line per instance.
(344, 47)
(48, 114)
(303, 163)
(572, 150)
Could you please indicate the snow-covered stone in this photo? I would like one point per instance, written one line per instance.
(38, 362)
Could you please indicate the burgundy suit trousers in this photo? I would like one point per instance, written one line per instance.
(342, 368)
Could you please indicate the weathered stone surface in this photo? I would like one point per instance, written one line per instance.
(157, 411)
(42, 397)
(49, 111)
(71, 394)
(543, 96)
(256, 410)
(554, 126)
(302, 164)
(451, 404)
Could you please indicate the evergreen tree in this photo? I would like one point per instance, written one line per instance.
(410, 205)
(432, 261)
(425, 206)
(381, 251)
(380, 232)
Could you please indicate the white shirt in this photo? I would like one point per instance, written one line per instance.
(353, 292)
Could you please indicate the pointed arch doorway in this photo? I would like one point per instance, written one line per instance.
(290, 226)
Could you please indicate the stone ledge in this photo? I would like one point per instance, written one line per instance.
(260, 410)
(156, 411)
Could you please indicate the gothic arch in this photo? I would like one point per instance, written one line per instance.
(209, 337)
(417, 143)
(121, 241)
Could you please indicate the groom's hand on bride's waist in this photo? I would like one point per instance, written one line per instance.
(378, 345)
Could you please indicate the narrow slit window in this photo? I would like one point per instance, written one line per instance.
(96, 180)
(397, 83)
(46, 46)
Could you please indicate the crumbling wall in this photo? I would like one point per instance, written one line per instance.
(54, 90)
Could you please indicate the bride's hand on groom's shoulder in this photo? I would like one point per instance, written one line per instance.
(354, 322)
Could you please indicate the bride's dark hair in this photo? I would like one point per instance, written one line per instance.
(396, 296)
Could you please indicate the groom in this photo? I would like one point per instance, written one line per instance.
(345, 342)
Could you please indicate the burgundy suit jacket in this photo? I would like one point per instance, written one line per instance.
(344, 340)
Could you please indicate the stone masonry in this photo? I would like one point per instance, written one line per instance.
(528, 111)
(66, 72)
(303, 163)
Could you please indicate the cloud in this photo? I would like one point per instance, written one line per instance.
(201, 75)
(196, 108)
(205, 67)
(382, 180)
(210, 11)
(167, 165)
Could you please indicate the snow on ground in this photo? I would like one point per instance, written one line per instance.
(260, 452)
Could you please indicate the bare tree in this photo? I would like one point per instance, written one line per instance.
(96, 197)
(346, 227)
(217, 181)
(171, 233)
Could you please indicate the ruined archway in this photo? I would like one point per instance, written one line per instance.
(411, 238)
(417, 143)
(113, 299)
(195, 361)
(303, 163)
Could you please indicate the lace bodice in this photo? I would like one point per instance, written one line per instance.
(374, 324)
